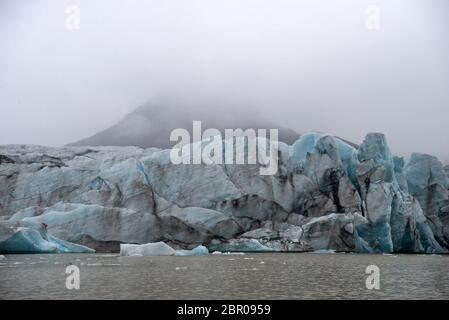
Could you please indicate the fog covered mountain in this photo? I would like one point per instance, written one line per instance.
(150, 125)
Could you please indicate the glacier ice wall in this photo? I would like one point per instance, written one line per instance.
(326, 195)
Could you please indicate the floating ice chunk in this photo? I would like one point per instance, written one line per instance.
(181, 268)
(29, 240)
(217, 252)
(240, 245)
(324, 251)
(2, 257)
(183, 253)
(198, 251)
(149, 249)
(251, 269)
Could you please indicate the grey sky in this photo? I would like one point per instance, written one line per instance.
(310, 65)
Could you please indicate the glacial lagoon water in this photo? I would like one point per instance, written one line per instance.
(226, 276)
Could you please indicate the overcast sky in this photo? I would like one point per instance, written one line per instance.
(309, 65)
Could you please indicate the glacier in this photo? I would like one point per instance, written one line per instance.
(327, 195)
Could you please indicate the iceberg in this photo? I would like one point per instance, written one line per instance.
(16, 238)
(148, 249)
(198, 251)
(159, 249)
(239, 245)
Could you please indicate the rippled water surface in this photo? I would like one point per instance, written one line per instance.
(249, 276)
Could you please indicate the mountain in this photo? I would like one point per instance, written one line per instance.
(150, 125)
